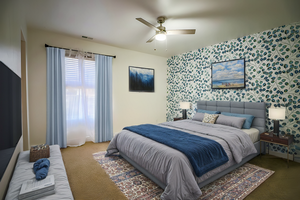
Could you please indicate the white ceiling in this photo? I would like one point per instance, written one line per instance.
(113, 22)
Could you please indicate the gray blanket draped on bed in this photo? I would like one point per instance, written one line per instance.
(172, 167)
(204, 154)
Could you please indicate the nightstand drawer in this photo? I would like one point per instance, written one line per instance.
(271, 139)
(266, 137)
(177, 118)
(276, 139)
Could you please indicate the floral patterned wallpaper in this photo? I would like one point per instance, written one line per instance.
(272, 75)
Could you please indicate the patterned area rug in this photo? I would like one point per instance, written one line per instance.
(235, 185)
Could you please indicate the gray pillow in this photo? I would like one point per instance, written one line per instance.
(231, 121)
(198, 117)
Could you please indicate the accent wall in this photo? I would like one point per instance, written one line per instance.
(272, 76)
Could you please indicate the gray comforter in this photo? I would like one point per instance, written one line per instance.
(172, 167)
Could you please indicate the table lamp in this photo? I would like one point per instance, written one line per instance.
(276, 114)
(184, 106)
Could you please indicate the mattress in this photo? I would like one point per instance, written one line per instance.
(253, 134)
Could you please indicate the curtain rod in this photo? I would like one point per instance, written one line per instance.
(46, 45)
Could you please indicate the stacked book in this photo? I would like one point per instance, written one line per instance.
(34, 189)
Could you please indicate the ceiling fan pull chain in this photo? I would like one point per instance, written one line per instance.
(167, 44)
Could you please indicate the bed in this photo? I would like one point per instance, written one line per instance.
(170, 168)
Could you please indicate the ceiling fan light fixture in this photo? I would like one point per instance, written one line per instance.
(160, 31)
(160, 36)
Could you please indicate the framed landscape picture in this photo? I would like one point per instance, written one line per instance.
(141, 79)
(228, 74)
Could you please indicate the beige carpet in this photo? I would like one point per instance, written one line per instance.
(89, 181)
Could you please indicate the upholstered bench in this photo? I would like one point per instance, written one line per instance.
(23, 172)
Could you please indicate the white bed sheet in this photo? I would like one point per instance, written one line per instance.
(253, 134)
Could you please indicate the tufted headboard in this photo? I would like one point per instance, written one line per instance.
(257, 109)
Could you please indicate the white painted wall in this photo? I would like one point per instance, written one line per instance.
(129, 108)
(11, 24)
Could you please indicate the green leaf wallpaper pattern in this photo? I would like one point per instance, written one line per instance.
(272, 75)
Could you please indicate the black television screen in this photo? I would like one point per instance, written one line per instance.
(10, 115)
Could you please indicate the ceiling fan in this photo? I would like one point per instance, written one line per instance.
(161, 31)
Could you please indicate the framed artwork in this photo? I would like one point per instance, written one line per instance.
(228, 74)
(141, 79)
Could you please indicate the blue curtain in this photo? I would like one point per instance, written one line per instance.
(103, 107)
(56, 98)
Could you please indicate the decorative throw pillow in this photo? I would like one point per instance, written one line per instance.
(210, 118)
(198, 117)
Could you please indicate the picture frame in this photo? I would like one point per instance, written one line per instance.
(141, 79)
(228, 74)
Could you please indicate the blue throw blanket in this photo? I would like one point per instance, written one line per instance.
(204, 154)
(40, 168)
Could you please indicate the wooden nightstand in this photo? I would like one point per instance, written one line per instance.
(178, 118)
(274, 139)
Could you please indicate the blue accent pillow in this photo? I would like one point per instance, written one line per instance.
(248, 122)
(208, 111)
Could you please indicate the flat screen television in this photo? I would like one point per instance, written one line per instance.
(10, 115)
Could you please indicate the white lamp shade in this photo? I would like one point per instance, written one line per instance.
(160, 36)
(184, 105)
(276, 113)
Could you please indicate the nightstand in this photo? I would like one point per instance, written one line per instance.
(274, 139)
(178, 118)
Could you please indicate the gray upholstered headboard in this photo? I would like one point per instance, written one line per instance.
(257, 109)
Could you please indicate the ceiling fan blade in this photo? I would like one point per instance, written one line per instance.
(147, 23)
(181, 31)
(151, 39)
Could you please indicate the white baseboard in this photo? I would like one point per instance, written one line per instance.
(284, 155)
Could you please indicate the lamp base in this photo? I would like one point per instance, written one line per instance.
(276, 127)
(183, 113)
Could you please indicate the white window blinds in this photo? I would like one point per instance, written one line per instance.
(77, 75)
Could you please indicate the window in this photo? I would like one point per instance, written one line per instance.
(80, 99)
